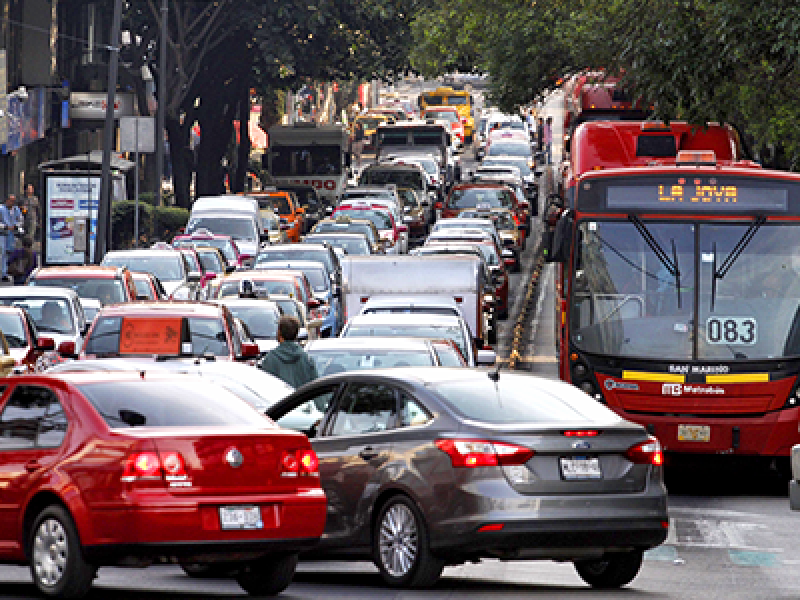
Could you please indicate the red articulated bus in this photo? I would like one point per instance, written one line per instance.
(678, 288)
(596, 96)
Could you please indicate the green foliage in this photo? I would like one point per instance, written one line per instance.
(155, 222)
(167, 220)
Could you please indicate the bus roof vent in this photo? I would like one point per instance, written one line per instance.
(696, 157)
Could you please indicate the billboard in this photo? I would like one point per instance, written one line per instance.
(68, 200)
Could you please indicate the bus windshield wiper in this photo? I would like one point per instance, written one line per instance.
(733, 256)
(670, 265)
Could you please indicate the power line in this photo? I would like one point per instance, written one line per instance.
(63, 36)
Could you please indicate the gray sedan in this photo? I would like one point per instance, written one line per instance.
(429, 467)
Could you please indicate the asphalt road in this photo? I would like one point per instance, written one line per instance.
(732, 534)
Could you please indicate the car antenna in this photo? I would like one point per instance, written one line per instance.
(495, 375)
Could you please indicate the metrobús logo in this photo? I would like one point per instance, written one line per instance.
(678, 389)
(671, 389)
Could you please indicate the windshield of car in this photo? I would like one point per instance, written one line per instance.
(143, 288)
(239, 228)
(351, 245)
(358, 194)
(480, 198)
(211, 262)
(206, 334)
(13, 328)
(444, 115)
(305, 160)
(400, 177)
(329, 362)
(290, 308)
(283, 287)
(261, 321)
(448, 332)
(509, 148)
(192, 403)
(518, 400)
(521, 163)
(380, 219)
(51, 315)
(106, 290)
(318, 278)
(321, 255)
(278, 204)
(333, 226)
(167, 267)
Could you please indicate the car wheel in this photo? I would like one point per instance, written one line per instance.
(267, 576)
(401, 548)
(613, 571)
(58, 567)
(206, 571)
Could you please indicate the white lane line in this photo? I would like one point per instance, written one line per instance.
(715, 512)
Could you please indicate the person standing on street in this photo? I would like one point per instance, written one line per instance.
(540, 135)
(31, 213)
(10, 217)
(358, 140)
(289, 361)
(548, 139)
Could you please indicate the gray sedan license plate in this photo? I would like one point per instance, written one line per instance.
(240, 517)
(581, 467)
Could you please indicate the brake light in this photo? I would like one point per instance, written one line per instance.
(299, 463)
(582, 433)
(458, 299)
(482, 453)
(148, 466)
(646, 453)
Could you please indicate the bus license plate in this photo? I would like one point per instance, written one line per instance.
(581, 467)
(694, 433)
(240, 517)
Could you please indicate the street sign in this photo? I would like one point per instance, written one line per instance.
(137, 134)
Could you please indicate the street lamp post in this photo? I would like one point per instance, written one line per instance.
(162, 100)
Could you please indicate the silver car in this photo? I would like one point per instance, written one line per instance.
(427, 467)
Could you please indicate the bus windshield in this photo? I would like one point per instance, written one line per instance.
(630, 300)
(305, 160)
(480, 198)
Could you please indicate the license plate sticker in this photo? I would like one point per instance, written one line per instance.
(581, 467)
(694, 433)
(240, 517)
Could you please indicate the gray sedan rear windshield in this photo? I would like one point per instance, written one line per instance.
(515, 400)
(157, 403)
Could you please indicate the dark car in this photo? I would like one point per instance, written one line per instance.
(427, 467)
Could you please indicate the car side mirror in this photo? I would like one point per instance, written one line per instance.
(194, 276)
(302, 334)
(250, 351)
(524, 205)
(402, 229)
(85, 329)
(45, 344)
(67, 349)
(285, 227)
(230, 269)
(314, 303)
(486, 358)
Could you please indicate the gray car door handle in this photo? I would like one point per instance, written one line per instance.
(368, 453)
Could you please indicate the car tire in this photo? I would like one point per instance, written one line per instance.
(612, 571)
(400, 529)
(267, 576)
(58, 566)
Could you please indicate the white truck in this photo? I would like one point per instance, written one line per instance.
(310, 154)
(462, 278)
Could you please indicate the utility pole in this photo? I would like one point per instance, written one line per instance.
(162, 100)
(102, 240)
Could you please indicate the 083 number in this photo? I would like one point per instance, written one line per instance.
(731, 330)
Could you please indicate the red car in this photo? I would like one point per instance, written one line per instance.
(168, 329)
(129, 469)
(485, 196)
(24, 344)
(109, 285)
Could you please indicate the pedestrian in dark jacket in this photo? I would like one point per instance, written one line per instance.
(289, 361)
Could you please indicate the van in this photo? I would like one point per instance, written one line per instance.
(236, 216)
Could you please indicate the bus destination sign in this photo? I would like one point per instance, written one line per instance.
(698, 195)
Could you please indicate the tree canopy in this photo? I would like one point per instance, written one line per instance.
(700, 60)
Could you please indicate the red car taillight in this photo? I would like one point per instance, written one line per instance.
(298, 463)
(482, 453)
(148, 466)
(646, 453)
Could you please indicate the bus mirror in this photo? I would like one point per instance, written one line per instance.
(562, 236)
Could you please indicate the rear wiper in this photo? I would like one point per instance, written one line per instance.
(733, 256)
(670, 265)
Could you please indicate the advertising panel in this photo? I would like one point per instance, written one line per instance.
(69, 198)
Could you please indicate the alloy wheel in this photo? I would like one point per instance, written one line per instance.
(399, 540)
